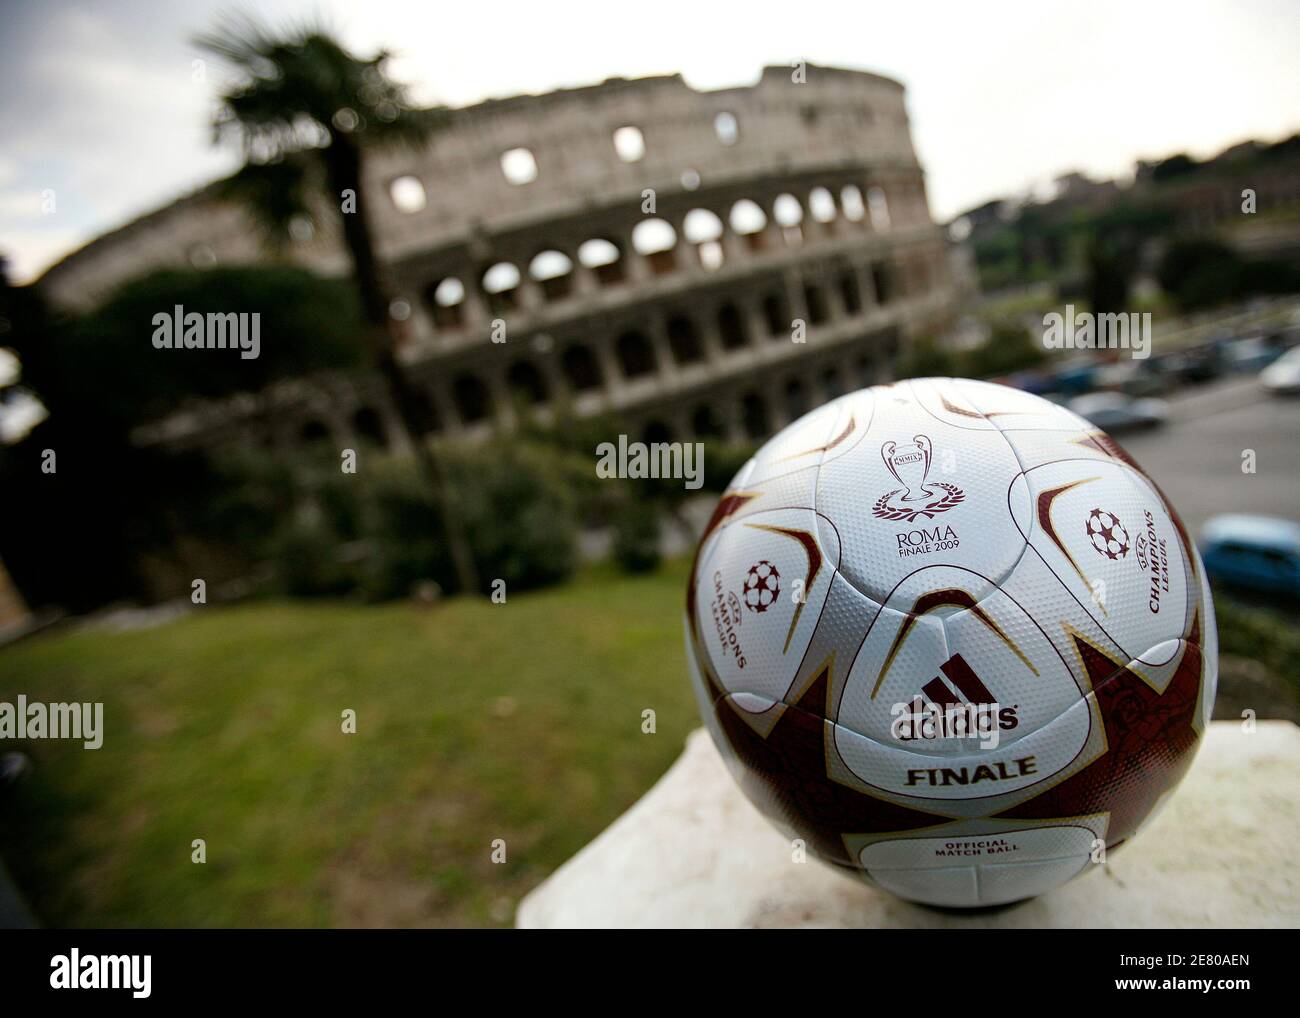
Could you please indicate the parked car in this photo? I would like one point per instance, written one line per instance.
(1115, 412)
(1192, 366)
(1075, 379)
(1252, 354)
(1283, 375)
(1259, 552)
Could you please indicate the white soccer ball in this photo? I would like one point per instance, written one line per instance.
(985, 652)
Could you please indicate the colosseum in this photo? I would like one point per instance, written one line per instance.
(696, 262)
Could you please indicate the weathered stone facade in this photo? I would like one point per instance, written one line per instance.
(642, 248)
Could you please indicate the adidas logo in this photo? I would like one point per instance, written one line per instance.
(960, 708)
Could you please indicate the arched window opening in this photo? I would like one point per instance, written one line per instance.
(731, 325)
(788, 214)
(636, 355)
(501, 287)
(553, 270)
(446, 301)
(705, 422)
(849, 292)
(369, 426)
(851, 202)
(471, 397)
(519, 166)
(882, 279)
(407, 194)
(629, 143)
(726, 127)
(581, 369)
(878, 207)
(814, 299)
(604, 258)
(684, 341)
(796, 398)
(749, 221)
(753, 416)
(656, 432)
(776, 313)
(314, 432)
(525, 382)
(821, 205)
(655, 240)
(703, 229)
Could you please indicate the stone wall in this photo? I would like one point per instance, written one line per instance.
(635, 246)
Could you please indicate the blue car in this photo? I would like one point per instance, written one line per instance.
(1259, 552)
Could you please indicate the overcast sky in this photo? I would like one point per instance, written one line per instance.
(101, 106)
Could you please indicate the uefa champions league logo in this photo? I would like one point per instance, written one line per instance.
(909, 463)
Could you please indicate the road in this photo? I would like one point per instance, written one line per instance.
(1197, 457)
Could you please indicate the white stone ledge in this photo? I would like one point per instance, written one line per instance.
(694, 853)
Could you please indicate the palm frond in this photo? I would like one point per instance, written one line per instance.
(304, 72)
(276, 193)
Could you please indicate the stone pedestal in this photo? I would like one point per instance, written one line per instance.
(694, 853)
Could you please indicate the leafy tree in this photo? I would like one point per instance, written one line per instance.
(306, 112)
(1009, 348)
(307, 323)
(1175, 166)
(1198, 272)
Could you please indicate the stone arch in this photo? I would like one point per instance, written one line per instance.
(776, 315)
(705, 422)
(604, 258)
(684, 340)
(581, 368)
(821, 205)
(369, 425)
(787, 213)
(855, 209)
(814, 299)
(314, 431)
(656, 431)
(552, 270)
(753, 416)
(656, 241)
(748, 221)
(525, 382)
(473, 401)
(500, 285)
(731, 327)
(796, 398)
(703, 230)
(636, 354)
(445, 299)
(850, 293)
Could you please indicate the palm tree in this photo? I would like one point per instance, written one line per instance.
(306, 111)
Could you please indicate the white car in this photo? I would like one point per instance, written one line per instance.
(1283, 375)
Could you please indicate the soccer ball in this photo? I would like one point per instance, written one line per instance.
(927, 646)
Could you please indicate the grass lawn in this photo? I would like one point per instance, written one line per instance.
(475, 722)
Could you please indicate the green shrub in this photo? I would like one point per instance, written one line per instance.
(514, 499)
(306, 552)
(636, 536)
(722, 461)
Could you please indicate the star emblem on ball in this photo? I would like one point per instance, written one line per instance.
(1107, 534)
(762, 585)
